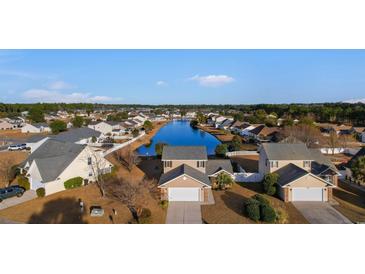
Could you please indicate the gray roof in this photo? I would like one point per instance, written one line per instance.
(36, 138)
(184, 153)
(282, 151)
(214, 166)
(187, 170)
(39, 125)
(321, 163)
(360, 153)
(76, 134)
(52, 158)
(290, 173)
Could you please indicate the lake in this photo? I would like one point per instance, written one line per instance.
(180, 133)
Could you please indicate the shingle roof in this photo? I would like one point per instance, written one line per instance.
(290, 173)
(53, 156)
(360, 153)
(38, 125)
(320, 162)
(280, 151)
(214, 166)
(184, 153)
(76, 134)
(187, 170)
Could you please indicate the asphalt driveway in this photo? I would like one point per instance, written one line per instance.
(27, 196)
(184, 213)
(321, 213)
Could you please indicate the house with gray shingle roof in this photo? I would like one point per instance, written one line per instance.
(55, 162)
(35, 128)
(304, 174)
(188, 175)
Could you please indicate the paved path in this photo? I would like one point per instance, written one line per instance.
(184, 213)
(27, 196)
(321, 213)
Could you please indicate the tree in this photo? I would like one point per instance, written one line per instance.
(202, 119)
(236, 143)
(127, 157)
(345, 140)
(333, 141)
(238, 116)
(159, 148)
(194, 123)
(58, 126)
(224, 181)
(78, 121)
(270, 182)
(36, 115)
(135, 132)
(7, 169)
(148, 126)
(358, 169)
(182, 113)
(309, 135)
(221, 150)
(252, 209)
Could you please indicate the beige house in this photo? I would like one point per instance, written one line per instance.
(4, 125)
(188, 174)
(304, 174)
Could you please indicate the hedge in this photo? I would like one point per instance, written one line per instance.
(24, 182)
(258, 208)
(73, 183)
(261, 199)
(268, 214)
(41, 192)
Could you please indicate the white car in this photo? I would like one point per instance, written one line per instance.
(17, 147)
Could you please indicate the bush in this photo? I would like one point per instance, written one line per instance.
(41, 192)
(261, 199)
(270, 182)
(252, 209)
(221, 150)
(267, 213)
(224, 181)
(73, 183)
(58, 126)
(135, 132)
(164, 204)
(24, 182)
(145, 217)
(282, 216)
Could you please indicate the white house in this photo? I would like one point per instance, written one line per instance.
(55, 162)
(105, 127)
(4, 125)
(35, 128)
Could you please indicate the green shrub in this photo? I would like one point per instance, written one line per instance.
(221, 150)
(145, 217)
(261, 199)
(24, 182)
(41, 192)
(73, 183)
(164, 204)
(267, 213)
(270, 182)
(252, 209)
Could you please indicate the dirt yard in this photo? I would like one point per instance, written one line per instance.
(228, 206)
(16, 134)
(351, 202)
(250, 163)
(221, 135)
(9, 159)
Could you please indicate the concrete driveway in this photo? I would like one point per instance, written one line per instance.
(321, 213)
(184, 213)
(27, 196)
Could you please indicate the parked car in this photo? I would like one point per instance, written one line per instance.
(96, 211)
(17, 147)
(11, 191)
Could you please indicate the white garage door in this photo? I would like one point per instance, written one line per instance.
(184, 194)
(307, 194)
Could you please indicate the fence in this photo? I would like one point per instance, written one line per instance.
(246, 177)
(338, 150)
(241, 152)
(119, 146)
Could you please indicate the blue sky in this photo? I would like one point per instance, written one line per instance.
(182, 76)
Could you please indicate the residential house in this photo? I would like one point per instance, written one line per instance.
(218, 121)
(304, 174)
(81, 136)
(105, 127)
(226, 124)
(5, 125)
(36, 128)
(190, 115)
(263, 133)
(188, 175)
(55, 162)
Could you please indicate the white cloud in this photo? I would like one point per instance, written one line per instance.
(354, 101)
(161, 83)
(212, 80)
(53, 96)
(60, 85)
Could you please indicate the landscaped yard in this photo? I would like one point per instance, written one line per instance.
(351, 202)
(229, 204)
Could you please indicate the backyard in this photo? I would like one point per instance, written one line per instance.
(229, 204)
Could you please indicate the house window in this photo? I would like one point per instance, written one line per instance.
(89, 161)
(168, 163)
(200, 164)
(306, 163)
(90, 174)
(274, 163)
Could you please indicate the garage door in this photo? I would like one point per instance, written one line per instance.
(184, 194)
(307, 194)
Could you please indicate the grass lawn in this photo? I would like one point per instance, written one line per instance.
(228, 206)
(351, 202)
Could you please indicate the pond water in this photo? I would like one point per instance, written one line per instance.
(180, 133)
